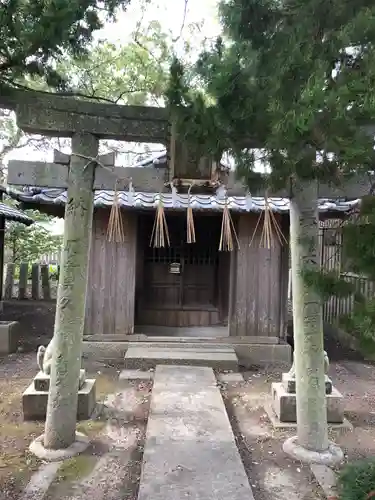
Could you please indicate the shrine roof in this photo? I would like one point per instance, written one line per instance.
(174, 200)
(13, 214)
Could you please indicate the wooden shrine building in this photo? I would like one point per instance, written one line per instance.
(134, 286)
(165, 272)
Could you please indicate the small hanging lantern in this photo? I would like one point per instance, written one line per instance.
(160, 234)
(115, 229)
(227, 231)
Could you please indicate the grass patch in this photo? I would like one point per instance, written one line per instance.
(76, 468)
(91, 427)
(357, 481)
(105, 384)
(16, 463)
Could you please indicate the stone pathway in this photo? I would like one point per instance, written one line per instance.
(40, 482)
(194, 436)
(190, 450)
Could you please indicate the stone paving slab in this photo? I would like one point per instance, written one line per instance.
(230, 378)
(190, 451)
(144, 358)
(327, 480)
(136, 375)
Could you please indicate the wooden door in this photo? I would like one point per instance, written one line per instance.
(182, 276)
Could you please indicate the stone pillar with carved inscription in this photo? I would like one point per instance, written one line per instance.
(60, 429)
(308, 404)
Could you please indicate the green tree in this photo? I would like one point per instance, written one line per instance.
(35, 35)
(29, 244)
(134, 73)
(297, 81)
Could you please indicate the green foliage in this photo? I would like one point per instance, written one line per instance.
(36, 34)
(273, 85)
(134, 73)
(328, 283)
(29, 243)
(359, 239)
(357, 480)
(358, 252)
(294, 79)
(361, 323)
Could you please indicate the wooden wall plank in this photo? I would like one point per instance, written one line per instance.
(125, 276)
(284, 278)
(257, 287)
(241, 275)
(96, 288)
(111, 288)
(253, 257)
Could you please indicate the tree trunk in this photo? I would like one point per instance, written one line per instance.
(60, 426)
(312, 426)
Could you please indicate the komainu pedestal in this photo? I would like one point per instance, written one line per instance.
(35, 397)
(284, 401)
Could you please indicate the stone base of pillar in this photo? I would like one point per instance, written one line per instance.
(80, 444)
(289, 383)
(34, 402)
(284, 405)
(332, 456)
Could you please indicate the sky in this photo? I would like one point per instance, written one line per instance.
(170, 14)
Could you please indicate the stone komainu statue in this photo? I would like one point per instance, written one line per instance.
(44, 357)
(292, 371)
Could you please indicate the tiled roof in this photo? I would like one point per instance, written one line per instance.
(175, 200)
(14, 214)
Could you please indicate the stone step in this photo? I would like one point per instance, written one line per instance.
(190, 450)
(140, 357)
(191, 345)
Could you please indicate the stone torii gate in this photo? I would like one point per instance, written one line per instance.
(86, 123)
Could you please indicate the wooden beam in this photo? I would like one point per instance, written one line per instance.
(55, 175)
(152, 180)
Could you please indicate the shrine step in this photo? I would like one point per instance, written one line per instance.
(148, 356)
(190, 450)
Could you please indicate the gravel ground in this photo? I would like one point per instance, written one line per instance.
(119, 434)
(16, 464)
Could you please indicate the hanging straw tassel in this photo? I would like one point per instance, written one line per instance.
(115, 229)
(227, 228)
(190, 221)
(271, 228)
(160, 234)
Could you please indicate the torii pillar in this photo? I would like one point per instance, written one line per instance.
(60, 429)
